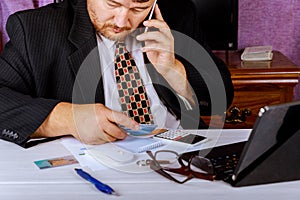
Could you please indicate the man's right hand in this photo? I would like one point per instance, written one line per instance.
(89, 123)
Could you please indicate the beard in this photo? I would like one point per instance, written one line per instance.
(108, 29)
(112, 31)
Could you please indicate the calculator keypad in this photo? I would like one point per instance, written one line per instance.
(172, 134)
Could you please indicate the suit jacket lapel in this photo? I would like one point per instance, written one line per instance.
(85, 59)
(82, 35)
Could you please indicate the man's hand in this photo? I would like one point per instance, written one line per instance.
(89, 123)
(159, 47)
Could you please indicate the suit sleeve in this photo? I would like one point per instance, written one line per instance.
(21, 111)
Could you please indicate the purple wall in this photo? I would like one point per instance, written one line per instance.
(272, 22)
(8, 7)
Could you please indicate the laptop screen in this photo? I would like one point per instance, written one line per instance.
(274, 125)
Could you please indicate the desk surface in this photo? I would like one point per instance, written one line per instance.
(21, 179)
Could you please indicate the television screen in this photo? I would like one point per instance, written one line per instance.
(217, 20)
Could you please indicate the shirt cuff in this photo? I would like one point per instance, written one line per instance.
(186, 102)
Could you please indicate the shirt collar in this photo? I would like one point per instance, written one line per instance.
(107, 42)
(130, 41)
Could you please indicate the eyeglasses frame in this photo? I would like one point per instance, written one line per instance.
(183, 170)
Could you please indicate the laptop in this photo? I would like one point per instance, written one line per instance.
(272, 153)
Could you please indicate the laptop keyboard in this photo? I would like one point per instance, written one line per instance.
(223, 158)
(224, 166)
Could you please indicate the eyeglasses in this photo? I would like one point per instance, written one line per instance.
(166, 161)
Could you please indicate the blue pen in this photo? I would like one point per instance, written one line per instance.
(100, 186)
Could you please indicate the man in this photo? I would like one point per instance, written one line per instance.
(51, 64)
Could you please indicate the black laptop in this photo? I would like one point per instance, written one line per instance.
(272, 153)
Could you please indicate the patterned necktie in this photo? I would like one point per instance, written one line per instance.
(132, 93)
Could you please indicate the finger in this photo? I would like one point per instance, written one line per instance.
(93, 142)
(122, 119)
(160, 46)
(155, 36)
(112, 135)
(113, 132)
(162, 26)
(102, 140)
(157, 47)
(158, 14)
(91, 138)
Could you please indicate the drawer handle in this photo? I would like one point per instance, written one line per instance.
(237, 115)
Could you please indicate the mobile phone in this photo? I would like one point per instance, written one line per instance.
(151, 14)
(182, 136)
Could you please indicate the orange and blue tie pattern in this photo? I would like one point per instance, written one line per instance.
(132, 93)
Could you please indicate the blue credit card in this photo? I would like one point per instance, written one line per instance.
(145, 129)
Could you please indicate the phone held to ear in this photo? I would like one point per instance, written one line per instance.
(151, 14)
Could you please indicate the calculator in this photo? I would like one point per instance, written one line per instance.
(182, 136)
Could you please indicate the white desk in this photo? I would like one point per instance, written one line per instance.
(21, 179)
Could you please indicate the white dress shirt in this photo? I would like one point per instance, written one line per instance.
(106, 48)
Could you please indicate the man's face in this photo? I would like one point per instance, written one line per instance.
(115, 19)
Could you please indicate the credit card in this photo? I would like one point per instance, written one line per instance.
(56, 162)
(145, 130)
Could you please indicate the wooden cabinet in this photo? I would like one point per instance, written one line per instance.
(256, 84)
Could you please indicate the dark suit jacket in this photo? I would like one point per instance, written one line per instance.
(52, 57)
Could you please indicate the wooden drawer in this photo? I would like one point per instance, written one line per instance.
(251, 100)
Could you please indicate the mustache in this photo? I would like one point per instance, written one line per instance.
(114, 26)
